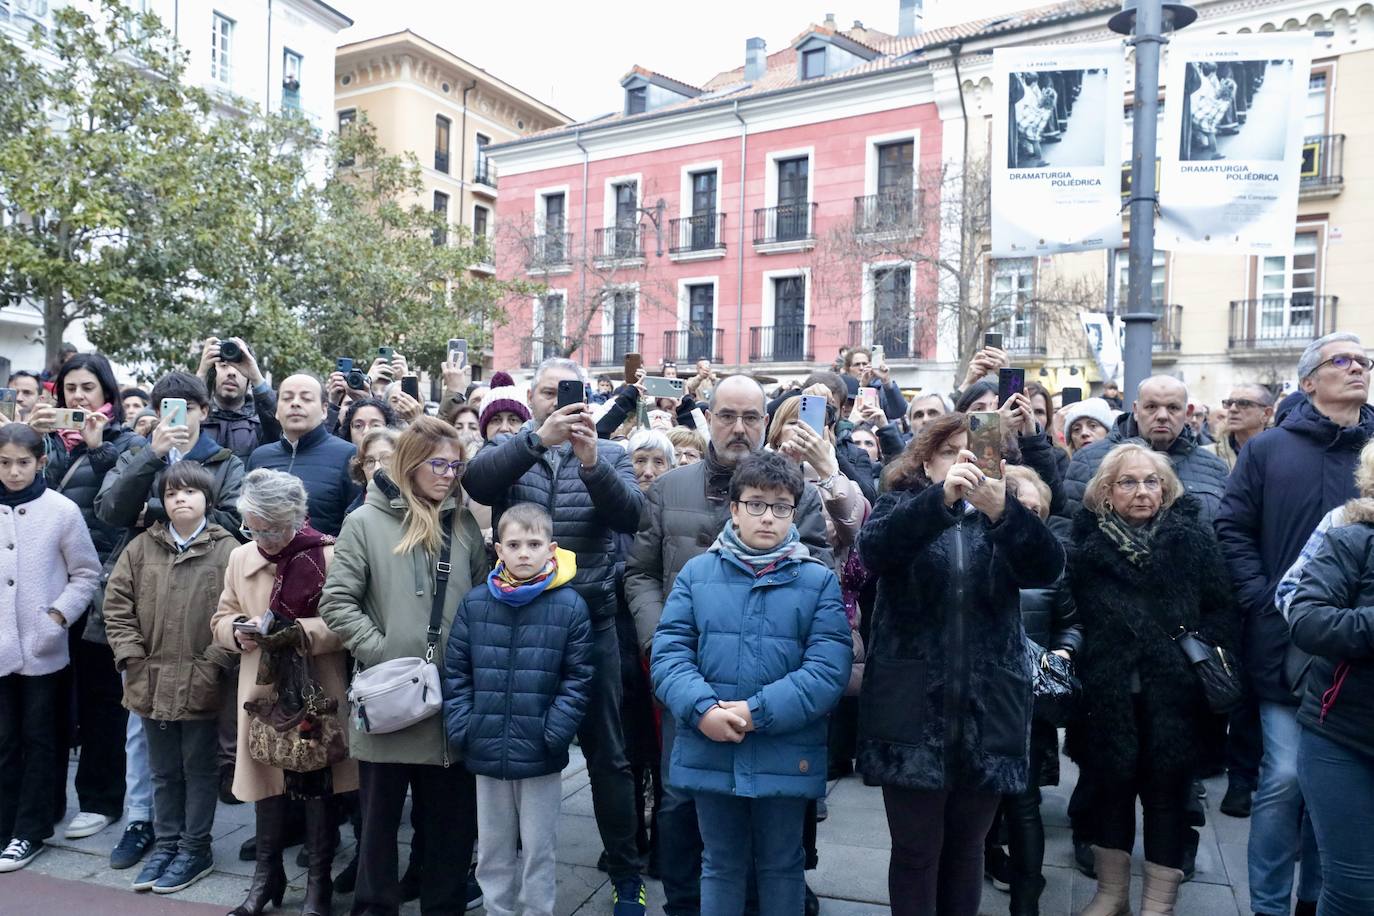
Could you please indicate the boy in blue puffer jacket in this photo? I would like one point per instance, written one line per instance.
(517, 680)
(752, 652)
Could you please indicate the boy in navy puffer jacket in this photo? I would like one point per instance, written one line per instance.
(517, 679)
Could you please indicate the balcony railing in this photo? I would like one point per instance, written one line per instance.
(619, 243)
(1323, 164)
(894, 336)
(551, 250)
(889, 211)
(484, 172)
(1281, 322)
(703, 232)
(534, 350)
(441, 160)
(785, 223)
(1168, 327)
(610, 349)
(694, 343)
(786, 344)
(1024, 331)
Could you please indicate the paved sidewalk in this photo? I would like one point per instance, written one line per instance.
(851, 881)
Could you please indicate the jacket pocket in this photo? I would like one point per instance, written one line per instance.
(138, 693)
(892, 703)
(202, 693)
(1006, 714)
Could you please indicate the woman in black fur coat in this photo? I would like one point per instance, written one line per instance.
(1141, 566)
(945, 707)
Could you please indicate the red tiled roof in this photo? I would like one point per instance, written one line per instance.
(648, 74)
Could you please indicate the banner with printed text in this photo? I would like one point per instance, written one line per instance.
(1056, 156)
(1231, 149)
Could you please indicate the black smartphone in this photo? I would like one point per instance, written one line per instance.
(410, 384)
(1069, 396)
(1009, 382)
(571, 391)
(992, 340)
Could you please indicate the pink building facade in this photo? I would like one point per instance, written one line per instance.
(715, 222)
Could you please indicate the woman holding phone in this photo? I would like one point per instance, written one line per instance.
(945, 711)
(845, 505)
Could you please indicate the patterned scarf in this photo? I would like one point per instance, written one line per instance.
(1133, 541)
(717, 477)
(508, 589)
(760, 561)
(300, 575)
(71, 438)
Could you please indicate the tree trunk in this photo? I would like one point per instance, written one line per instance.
(55, 323)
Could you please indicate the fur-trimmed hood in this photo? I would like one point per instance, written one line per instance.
(1357, 511)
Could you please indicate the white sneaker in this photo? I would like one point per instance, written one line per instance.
(18, 854)
(86, 824)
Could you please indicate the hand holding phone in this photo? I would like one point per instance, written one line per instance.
(173, 411)
(458, 351)
(657, 386)
(410, 385)
(985, 441)
(1009, 382)
(812, 412)
(68, 418)
(9, 403)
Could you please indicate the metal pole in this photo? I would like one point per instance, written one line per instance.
(1139, 313)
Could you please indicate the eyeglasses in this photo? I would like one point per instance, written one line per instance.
(756, 508)
(1344, 361)
(372, 462)
(729, 418)
(1130, 484)
(1242, 403)
(266, 534)
(442, 468)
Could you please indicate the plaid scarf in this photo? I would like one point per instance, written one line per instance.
(1131, 540)
(760, 561)
(300, 575)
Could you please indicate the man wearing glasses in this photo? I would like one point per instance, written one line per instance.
(1284, 481)
(687, 509)
(1249, 411)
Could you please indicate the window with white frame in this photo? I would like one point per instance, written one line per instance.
(1013, 301)
(290, 80)
(221, 49)
(1158, 264)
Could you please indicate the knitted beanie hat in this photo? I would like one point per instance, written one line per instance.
(503, 396)
(1092, 409)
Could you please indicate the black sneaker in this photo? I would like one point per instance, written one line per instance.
(152, 869)
(133, 845)
(186, 869)
(997, 868)
(1236, 802)
(811, 904)
(474, 893)
(822, 810)
(19, 853)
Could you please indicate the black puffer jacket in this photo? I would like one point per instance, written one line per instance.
(517, 681)
(946, 699)
(588, 506)
(1202, 473)
(1332, 616)
(84, 485)
(1129, 614)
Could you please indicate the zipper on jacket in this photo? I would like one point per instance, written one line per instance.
(294, 445)
(510, 677)
(954, 654)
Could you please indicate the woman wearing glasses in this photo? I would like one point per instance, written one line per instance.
(1141, 566)
(378, 598)
(945, 710)
(375, 448)
(282, 570)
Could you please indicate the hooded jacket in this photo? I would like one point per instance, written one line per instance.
(134, 486)
(1202, 473)
(378, 603)
(321, 462)
(779, 641)
(158, 607)
(946, 700)
(517, 680)
(1285, 480)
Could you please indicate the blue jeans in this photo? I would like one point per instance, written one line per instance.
(1279, 828)
(138, 776)
(1339, 786)
(739, 832)
(679, 839)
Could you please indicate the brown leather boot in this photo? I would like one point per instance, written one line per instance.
(269, 878)
(321, 838)
(1160, 892)
(1113, 897)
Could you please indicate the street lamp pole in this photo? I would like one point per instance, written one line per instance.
(1144, 21)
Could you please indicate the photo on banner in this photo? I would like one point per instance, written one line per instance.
(1232, 147)
(1056, 152)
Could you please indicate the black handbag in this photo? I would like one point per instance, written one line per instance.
(1217, 670)
(1054, 685)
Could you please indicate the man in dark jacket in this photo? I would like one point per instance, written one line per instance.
(686, 511)
(243, 406)
(1160, 417)
(588, 487)
(307, 450)
(1285, 480)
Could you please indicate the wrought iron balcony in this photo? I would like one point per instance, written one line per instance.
(785, 223)
(1168, 327)
(704, 232)
(694, 343)
(897, 212)
(534, 350)
(1323, 165)
(550, 251)
(619, 243)
(785, 344)
(484, 172)
(610, 349)
(1281, 322)
(1024, 330)
(893, 335)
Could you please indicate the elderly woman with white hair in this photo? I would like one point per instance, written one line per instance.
(281, 573)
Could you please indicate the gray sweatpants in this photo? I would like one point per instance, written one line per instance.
(524, 810)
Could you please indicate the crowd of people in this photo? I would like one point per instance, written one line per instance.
(324, 597)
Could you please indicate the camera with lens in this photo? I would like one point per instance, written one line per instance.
(356, 380)
(230, 351)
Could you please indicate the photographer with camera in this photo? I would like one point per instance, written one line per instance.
(243, 407)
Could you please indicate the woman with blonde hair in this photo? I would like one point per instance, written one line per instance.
(1142, 568)
(410, 538)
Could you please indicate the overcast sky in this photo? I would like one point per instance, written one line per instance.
(573, 54)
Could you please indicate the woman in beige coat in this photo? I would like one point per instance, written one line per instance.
(283, 571)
